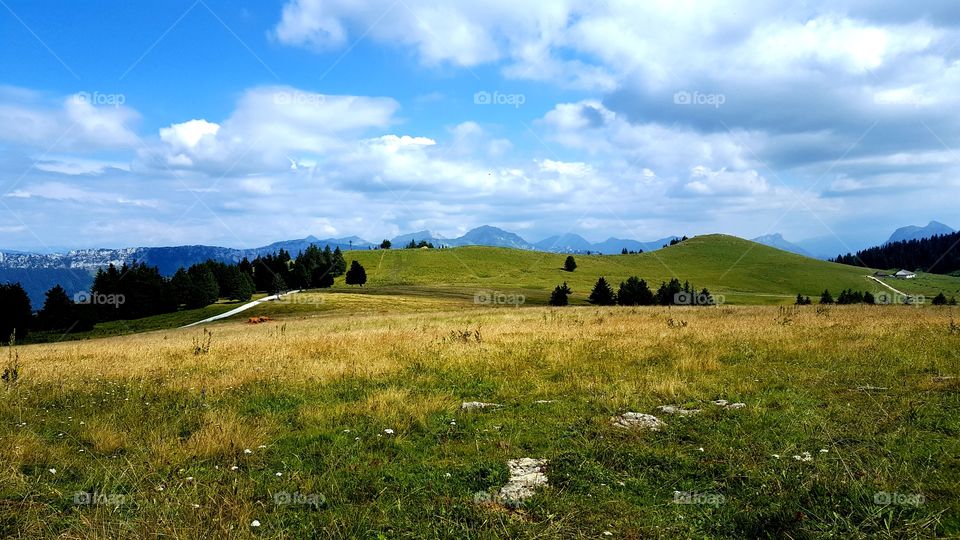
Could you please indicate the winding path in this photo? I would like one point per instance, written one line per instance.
(901, 293)
(241, 309)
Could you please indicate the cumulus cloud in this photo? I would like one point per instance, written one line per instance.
(72, 123)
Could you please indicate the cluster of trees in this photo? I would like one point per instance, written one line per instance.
(941, 300)
(413, 244)
(313, 268)
(847, 297)
(939, 255)
(626, 251)
(676, 241)
(635, 292)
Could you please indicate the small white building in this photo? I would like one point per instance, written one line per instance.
(905, 274)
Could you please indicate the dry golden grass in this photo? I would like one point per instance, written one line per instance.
(156, 414)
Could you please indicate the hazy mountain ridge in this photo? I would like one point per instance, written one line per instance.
(778, 241)
(916, 232)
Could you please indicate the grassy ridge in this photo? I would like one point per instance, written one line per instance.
(148, 419)
(743, 271)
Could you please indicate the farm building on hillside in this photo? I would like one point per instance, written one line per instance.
(905, 274)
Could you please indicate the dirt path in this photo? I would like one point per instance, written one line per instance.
(240, 309)
(888, 286)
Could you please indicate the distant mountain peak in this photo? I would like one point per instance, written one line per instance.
(776, 240)
(915, 232)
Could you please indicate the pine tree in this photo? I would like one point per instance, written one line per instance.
(338, 263)
(570, 264)
(356, 275)
(634, 292)
(322, 277)
(15, 312)
(560, 295)
(940, 300)
(58, 310)
(602, 294)
(826, 297)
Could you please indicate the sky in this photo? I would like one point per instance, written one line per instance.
(247, 122)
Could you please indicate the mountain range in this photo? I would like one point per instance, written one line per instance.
(74, 270)
(914, 232)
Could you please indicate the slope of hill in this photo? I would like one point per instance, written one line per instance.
(914, 232)
(743, 271)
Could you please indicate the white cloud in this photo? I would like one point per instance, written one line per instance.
(71, 124)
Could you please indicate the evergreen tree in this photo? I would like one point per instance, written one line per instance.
(560, 295)
(570, 264)
(322, 277)
(356, 275)
(803, 300)
(277, 285)
(15, 312)
(826, 297)
(868, 298)
(602, 294)
(237, 285)
(58, 311)
(667, 293)
(635, 292)
(338, 263)
(940, 300)
(386, 244)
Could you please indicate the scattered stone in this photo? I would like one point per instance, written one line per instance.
(729, 406)
(526, 474)
(670, 409)
(631, 420)
(473, 405)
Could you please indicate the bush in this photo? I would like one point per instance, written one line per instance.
(356, 275)
(570, 264)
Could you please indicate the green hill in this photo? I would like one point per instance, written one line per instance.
(744, 272)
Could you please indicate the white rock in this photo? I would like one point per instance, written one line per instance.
(630, 420)
(526, 474)
(472, 405)
(670, 409)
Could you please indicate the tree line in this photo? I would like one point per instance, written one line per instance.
(137, 290)
(635, 292)
(938, 254)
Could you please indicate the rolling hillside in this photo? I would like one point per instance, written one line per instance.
(745, 272)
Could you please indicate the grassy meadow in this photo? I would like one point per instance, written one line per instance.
(342, 419)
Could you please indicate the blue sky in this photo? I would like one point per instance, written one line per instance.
(242, 123)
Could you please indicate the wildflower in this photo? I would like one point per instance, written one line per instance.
(53, 471)
(247, 451)
(279, 474)
(388, 431)
(255, 523)
(234, 468)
